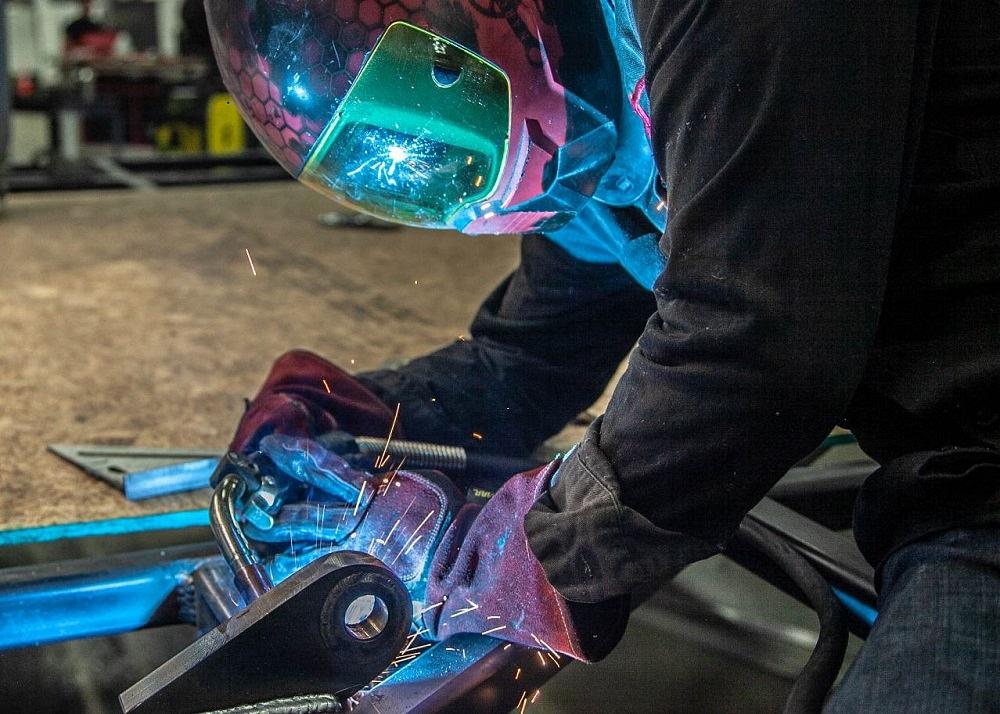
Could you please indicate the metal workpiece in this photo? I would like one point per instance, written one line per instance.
(217, 599)
(328, 629)
(250, 576)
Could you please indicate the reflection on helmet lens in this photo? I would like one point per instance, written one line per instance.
(418, 179)
(421, 135)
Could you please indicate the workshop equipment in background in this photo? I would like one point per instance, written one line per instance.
(225, 132)
(4, 106)
(111, 463)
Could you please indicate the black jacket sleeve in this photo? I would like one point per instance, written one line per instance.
(543, 346)
(781, 130)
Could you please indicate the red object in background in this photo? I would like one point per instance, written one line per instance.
(95, 43)
(24, 86)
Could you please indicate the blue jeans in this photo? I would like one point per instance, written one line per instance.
(935, 647)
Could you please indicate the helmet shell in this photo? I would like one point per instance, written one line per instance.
(290, 63)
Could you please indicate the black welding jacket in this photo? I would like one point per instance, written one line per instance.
(833, 256)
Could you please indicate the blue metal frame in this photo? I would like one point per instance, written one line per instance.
(110, 527)
(101, 596)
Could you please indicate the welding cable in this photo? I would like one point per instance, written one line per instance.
(820, 671)
(249, 575)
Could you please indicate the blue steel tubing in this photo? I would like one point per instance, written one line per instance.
(40, 605)
(176, 478)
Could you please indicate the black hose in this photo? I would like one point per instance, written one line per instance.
(819, 673)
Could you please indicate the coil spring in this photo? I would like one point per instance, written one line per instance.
(418, 454)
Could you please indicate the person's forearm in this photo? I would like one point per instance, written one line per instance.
(544, 345)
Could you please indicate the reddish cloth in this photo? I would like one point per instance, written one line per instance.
(295, 401)
(487, 578)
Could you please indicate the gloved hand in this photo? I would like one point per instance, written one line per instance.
(485, 579)
(468, 569)
(398, 517)
(305, 395)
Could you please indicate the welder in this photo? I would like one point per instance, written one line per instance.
(831, 173)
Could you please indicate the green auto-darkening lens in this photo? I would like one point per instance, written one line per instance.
(421, 135)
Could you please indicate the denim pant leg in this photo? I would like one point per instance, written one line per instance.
(935, 647)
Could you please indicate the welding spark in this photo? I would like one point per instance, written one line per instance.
(517, 674)
(536, 695)
(541, 658)
(522, 702)
(493, 629)
(384, 458)
(413, 537)
(392, 477)
(361, 493)
(412, 638)
(432, 607)
(464, 610)
(558, 666)
(385, 540)
(327, 387)
(411, 546)
(253, 269)
(477, 435)
(543, 643)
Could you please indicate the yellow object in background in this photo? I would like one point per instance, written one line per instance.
(224, 128)
(178, 137)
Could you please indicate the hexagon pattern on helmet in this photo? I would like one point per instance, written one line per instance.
(301, 60)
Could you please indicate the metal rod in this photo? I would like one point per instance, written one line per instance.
(249, 575)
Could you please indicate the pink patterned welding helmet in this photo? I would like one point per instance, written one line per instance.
(488, 116)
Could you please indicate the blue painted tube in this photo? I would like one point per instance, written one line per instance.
(165, 480)
(865, 612)
(108, 527)
(87, 605)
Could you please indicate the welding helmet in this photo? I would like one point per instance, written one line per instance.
(488, 116)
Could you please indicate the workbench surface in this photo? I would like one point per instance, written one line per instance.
(134, 318)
